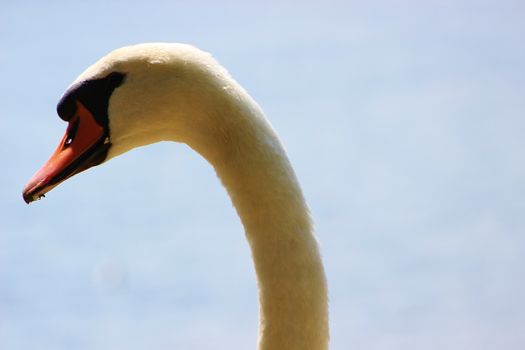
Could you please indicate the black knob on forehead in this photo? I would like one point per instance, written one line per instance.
(94, 95)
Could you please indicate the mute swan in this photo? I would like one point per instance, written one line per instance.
(147, 93)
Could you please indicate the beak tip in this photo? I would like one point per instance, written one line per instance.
(27, 198)
(37, 186)
(29, 194)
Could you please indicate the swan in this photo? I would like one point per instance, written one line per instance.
(146, 93)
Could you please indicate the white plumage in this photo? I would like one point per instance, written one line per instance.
(175, 92)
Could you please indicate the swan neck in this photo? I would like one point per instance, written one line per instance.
(255, 170)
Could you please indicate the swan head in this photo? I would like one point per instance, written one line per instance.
(132, 97)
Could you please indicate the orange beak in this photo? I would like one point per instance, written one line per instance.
(84, 145)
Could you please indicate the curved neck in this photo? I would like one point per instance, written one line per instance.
(254, 168)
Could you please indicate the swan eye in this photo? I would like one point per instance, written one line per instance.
(71, 132)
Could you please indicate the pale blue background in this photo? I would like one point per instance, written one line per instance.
(405, 121)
